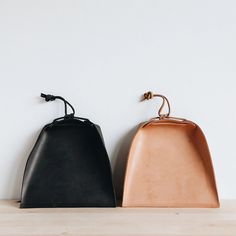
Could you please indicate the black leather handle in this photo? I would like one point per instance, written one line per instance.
(50, 97)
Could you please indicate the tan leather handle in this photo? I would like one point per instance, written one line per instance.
(149, 95)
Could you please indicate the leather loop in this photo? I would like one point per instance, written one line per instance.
(149, 95)
(49, 97)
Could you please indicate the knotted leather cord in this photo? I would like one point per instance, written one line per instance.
(149, 95)
(49, 97)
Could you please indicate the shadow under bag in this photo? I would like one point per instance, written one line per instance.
(169, 164)
(68, 166)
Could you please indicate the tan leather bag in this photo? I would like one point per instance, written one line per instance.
(169, 165)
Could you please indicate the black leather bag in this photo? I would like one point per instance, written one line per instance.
(68, 166)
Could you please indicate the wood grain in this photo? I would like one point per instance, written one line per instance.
(118, 221)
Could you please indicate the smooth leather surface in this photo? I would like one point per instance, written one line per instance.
(68, 167)
(169, 165)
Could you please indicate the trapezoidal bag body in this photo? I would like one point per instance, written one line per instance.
(169, 165)
(68, 166)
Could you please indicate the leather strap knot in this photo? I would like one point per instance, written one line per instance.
(149, 95)
(50, 97)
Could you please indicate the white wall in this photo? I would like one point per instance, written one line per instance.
(101, 56)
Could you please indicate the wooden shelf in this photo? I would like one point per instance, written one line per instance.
(118, 221)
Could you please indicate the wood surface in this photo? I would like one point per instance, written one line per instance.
(117, 221)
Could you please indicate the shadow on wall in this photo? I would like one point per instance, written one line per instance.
(15, 181)
(119, 160)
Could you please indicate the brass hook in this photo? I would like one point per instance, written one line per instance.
(150, 95)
